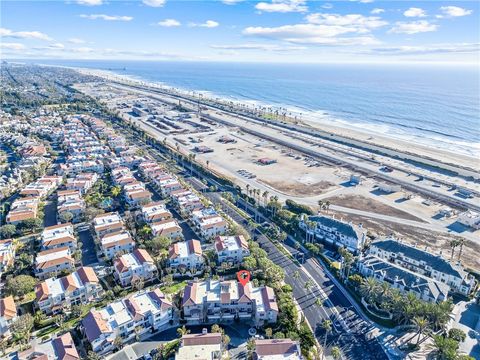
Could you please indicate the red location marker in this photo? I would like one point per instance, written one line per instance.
(243, 277)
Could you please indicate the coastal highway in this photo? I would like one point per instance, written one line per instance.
(407, 181)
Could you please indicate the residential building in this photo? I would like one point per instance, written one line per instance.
(107, 223)
(277, 349)
(186, 201)
(201, 346)
(231, 249)
(141, 312)
(22, 209)
(155, 212)
(223, 301)
(135, 194)
(59, 236)
(424, 263)
(82, 182)
(208, 223)
(65, 347)
(133, 266)
(336, 232)
(70, 201)
(115, 243)
(51, 262)
(58, 295)
(168, 228)
(7, 255)
(8, 314)
(402, 279)
(60, 348)
(186, 256)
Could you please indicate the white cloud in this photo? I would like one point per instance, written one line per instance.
(363, 1)
(106, 17)
(254, 46)
(154, 3)
(231, 2)
(414, 12)
(428, 49)
(90, 2)
(377, 11)
(454, 11)
(56, 46)
(327, 6)
(360, 23)
(76, 41)
(169, 23)
(24, 34)
(12, 46)
(282, 6)
(413, 27)
(82, 50)
(206, 24)
(311, 34)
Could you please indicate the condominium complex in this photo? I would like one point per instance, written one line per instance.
(56, 295)
(231, 249)
(139, 313)
(220, 301)
(137, 265)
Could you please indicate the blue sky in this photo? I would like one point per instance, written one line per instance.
(236, 30)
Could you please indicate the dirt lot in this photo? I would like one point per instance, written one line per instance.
(301, 189)
(362, 203)
(435, 241)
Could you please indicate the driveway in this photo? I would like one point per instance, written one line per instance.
(89, 255)
(50, 211)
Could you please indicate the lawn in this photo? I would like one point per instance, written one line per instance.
(175, 288)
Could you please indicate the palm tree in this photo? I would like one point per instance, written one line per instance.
(369, 289)
(453, 244)
(327, 326)
(320, 204)
(265, 197)
(308, 284)
(336, 353)
(250, 348)
(461, 243)
(182, 331)
(296, 275)
(318, 302)
(421, 324)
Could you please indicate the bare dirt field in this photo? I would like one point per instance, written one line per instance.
(362, 203)
(297, 188)
(436, 241)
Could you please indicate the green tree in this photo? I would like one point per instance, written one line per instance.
(369, 289)
(159, 243)
(7, 231)
(457, 334)
(92, 355)
(66, 217)
(22, 326)
(250, 348)
(268, 333)
(20, 285)
(118, 342)
(445, 348)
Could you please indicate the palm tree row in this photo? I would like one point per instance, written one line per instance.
(405, 307)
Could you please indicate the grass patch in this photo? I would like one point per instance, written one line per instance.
(175, 288)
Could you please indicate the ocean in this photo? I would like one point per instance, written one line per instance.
(433, 105)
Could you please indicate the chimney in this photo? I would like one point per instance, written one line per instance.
(204, 331)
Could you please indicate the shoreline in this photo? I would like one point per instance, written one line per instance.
(362, 136)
